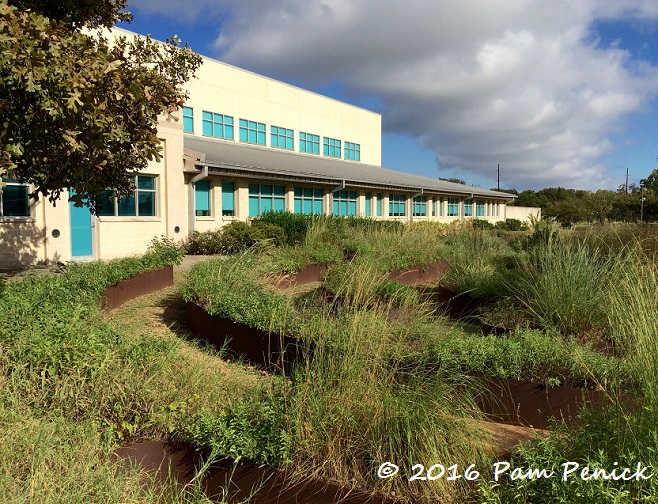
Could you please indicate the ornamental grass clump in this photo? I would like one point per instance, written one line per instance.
(353, 410)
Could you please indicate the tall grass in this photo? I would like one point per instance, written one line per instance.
(633, 316)
(565, 287)
(355, 410)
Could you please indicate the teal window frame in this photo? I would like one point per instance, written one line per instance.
(433, 207)
(453, 207)
(331, 147)
(14, 199)
(188, 120)
(352, 151)
(344, 203)
(282, 138)
(419, 206)
(252, 132)
(217, 125)
(202, 198)
(380, 204)
(228, 198)
(468, 207)
(309, 143)
(479, 208)
(440, 207)
(266, 197)
(397, 205)
(308, 200)
(142, 203)
(368, 204)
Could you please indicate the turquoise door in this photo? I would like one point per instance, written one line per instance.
(81, 231)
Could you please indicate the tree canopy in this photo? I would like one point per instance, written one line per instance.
(79, 111)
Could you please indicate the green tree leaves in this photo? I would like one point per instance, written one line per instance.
(79, 111)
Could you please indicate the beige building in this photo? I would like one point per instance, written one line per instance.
(244, 144)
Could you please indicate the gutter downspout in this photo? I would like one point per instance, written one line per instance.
(411, 214)
(337, 188)
(192, 195)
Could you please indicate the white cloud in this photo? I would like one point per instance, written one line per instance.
(521, 82)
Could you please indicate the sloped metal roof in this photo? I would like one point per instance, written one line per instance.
(229, 157)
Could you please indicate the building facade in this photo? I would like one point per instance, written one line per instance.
(244, 144)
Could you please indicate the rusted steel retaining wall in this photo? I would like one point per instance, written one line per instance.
(420, 274)
(274, 351)
(307, 274)
(141, 284)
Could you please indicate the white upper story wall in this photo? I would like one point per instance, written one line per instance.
(223, 89)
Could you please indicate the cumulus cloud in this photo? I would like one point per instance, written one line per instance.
(524, 83)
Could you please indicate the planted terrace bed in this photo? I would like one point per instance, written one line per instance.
(138, 285)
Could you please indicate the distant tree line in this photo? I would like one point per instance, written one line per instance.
(575, 205)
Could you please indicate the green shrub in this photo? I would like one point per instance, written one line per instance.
(207, 243)
(516, 225)
(502, 225)
(294, 225)
(482, 224)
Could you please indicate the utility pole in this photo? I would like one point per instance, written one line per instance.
(641, 204)
(626, 180)
(499, 176)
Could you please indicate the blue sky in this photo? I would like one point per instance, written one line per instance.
(558, 93)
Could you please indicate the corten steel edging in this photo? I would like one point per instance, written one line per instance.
(165, 461)
(420, 274)
(308, 274)
(141, 284)
(276, 352)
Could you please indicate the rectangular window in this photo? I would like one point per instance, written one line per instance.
(344, 203)
(282, 138)
(468, 207)
(14, 201)
(252, 132)
(217, 125)
(440, 207)
(352, 151)
(202, 198)
(397, 205)
(453, 207)
(309, 143)
(420, 206)
(228, 199)
(331, 147)
(433, 207)
(188, 120)
(479, 208)
(264, 198)
(380, 204)
(308, 200)
(368, 207)
(140, 204)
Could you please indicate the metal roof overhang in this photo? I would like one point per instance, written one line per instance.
(228, 158)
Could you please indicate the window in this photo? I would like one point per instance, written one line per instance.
(308, 200)
(228, 199)
(433, 207)
(140, 204)
(217, 125)
(202, 198)
(453, 207)
(188, 120)
(14, 200)
(344, 203)
(420, 206)
(265, 197)
(440, 207)
(331, 147)
(309, 143)
(468, 207)
(352, 151)
(397, 205)
(282, 138)
(252, 132)
(368, 207)
(380, 204)
(479, 208)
